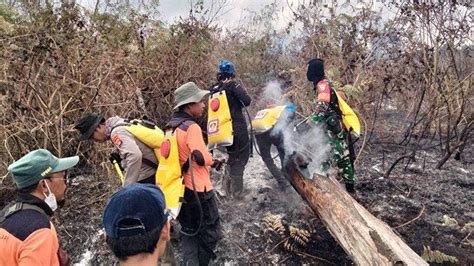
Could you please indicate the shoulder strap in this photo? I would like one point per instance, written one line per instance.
(18, 206)
(336, 108)
(144, 123)
(184, 125)
(149, 163)
(119, 125)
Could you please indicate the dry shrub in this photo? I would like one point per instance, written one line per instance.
(59, 63)
(407, 62)
(57, 67)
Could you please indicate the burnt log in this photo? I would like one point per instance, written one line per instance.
(366, 239)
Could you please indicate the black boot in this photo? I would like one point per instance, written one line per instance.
(350, 188)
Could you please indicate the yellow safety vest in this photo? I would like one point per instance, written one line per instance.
(168, 175)
(219, 121)
(266, 119)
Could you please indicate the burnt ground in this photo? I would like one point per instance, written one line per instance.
(413, 201)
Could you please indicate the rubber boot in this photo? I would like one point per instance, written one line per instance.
(237, 186)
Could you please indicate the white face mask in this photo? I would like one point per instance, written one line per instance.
(50, 199)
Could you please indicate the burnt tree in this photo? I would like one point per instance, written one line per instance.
(366, 239)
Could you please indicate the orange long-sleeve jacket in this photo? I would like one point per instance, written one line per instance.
(189, 141)
(27, 237)
(189, 137)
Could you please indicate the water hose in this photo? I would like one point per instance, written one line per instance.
(251, 142)
(201, 214)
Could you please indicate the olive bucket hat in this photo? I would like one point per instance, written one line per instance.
(188, 93)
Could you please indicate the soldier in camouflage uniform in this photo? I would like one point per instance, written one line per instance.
(328, 114)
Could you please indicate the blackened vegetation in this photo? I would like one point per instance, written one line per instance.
(411, 86)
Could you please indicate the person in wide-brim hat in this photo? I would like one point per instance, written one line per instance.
(188, 93)
(197, 246)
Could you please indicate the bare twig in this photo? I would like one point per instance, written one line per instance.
(409, 156)
(268, 251)
(412, 220)
(314, 257)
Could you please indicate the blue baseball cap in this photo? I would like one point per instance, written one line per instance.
(136, 209)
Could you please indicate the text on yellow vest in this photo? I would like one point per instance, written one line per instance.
(266, 119)
(219, 121)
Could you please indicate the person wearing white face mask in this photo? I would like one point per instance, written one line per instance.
(27, 236)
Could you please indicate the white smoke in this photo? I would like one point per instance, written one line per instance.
(312, 142)
(272, 94)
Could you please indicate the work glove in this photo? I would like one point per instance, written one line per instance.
(115, 156)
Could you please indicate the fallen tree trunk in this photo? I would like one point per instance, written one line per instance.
(366, 239)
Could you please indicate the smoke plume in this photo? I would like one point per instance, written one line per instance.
(308, 140)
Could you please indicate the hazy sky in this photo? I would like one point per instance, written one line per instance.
(236, 10)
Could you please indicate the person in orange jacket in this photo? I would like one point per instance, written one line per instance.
(199, 216)
(27, 236)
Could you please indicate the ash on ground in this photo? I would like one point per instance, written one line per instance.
(443, 197)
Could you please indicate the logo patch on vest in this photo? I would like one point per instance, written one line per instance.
(261, 114)
(116, 140)
(324, 92)
(213, 127)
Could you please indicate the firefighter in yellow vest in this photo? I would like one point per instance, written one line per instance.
(274, 132)
(329, 115)
(137, 159)
(239, 152)
(199, 216)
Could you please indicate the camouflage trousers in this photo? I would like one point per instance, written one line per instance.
(339, 157)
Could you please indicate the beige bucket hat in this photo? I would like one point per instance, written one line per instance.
(188, 93)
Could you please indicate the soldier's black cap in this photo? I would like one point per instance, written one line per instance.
(315, 70)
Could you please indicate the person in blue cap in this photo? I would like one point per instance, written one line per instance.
(137, 228)
(239, 152)
(27, 235)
